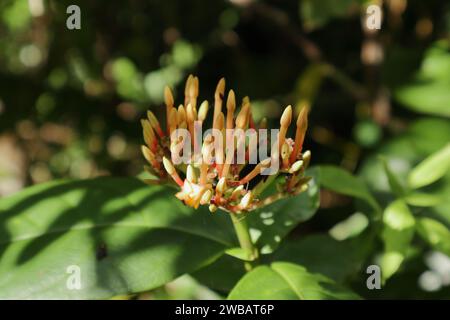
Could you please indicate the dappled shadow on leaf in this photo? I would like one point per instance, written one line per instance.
(75, 216)
(320, 253)
(272, 223)
(126, 237)
(284, 280)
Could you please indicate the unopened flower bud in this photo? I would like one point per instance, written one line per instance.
(218, 97)
(285, 151)
(187, 187)
(236, 192)
(296, 166)
(190, 174)
(221, 185)
(206, 197)
(168, 166)
(286, 117)
(168, 97)
(152, 118)
(241, 119)
(302, 125)
(203, 111)
(147, 153)
(306, 157)
(181, 115)
(231, 101)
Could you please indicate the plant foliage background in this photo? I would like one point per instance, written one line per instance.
(70, 104)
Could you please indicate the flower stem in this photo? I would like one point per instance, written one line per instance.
(245, 241)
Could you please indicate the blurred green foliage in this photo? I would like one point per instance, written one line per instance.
(428, 92)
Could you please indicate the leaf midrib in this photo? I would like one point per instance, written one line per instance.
(290, 284)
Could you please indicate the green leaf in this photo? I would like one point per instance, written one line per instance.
(316, 13)
(124, 236)
(350, 227)
(322, 254)
(239, 253)
(435, 234)
(428, 91)
(441, 190)
(221, 275)
(423, 137)
(393, 180)
(426, 97)
(398, 230)
(287, 281)
(367, 133)
(15, 15)
(269, 225)
(431, 169)
(420, 199)
(341, 181)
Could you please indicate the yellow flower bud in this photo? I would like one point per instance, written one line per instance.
(246, 201)
(190, 174)
(203, 111)
(168, 166)
(296, 166)
(206, 197)
(221, 185)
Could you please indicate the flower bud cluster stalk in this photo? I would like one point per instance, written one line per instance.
(216, 180)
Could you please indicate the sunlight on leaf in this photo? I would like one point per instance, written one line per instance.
(269, 225)
(123, 235)
(283, 280)
(397, 234)
(431, 169)
(435, 233)
(341, 181)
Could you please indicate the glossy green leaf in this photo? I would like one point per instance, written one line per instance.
(221, 275)
(269, 225)
(123, 235)
(239, 253)
(350, 227)
(341, 181)
(441, 190)
(431, 169)
(398, 230)
(322, 254)
(394, 181)
(420, 199)
(287, 281)
(426, 97)
(367, 133)
(423, 137)
(435, 233)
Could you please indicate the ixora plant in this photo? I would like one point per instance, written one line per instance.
(217, 170)
(224, 172)
(108, 237)
(226, 222)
